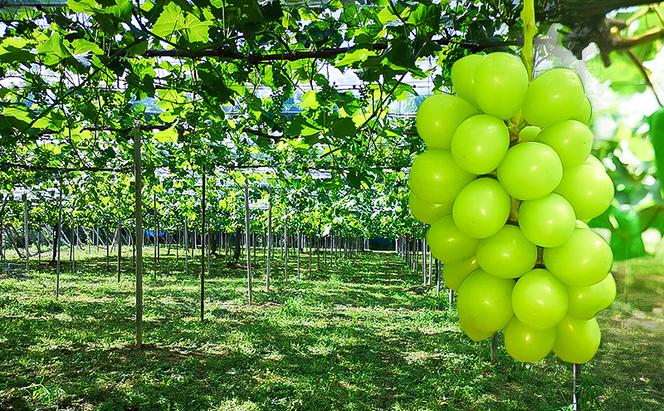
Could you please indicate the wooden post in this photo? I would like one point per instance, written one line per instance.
(186, 247)
(286, 248)
(39, 236)
(318, 249)
(72, 247)
(299, 244)
(119, 241)
(438, 282)
(206, 250)
(58, 240)
(424, 261)
(311, 250)
(138, 216)
(203, 248)
(430, 265)
(269, 242)
(576, 377)
(156, 234)
(26, 234)
(2, 226)
(247, 238)
(108, 247)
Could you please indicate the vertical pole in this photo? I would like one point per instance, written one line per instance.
(299, 244)
(156, 234)
(413, 260)
(2, 228)
(424, 261)
(119, 240)
(203, 248)
(576, 376)
(286, 248)
(311, 250)
(138, 216)
(26, 234)
(269, 242)
(186, 247)
(318, 249)
(39, 236)
(430, 265)
(438, 277)
(58, 240)
(247, 237)
(72, 246)
(108, 246)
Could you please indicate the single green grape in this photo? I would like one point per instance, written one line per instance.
(472, 332)
(507, 254)
(438, 116)
(548, 221)
(455, 273)
(526, 344)
(539, 299)
(586, 302)
(554, 96)
(571, 139)
(485, 301)
(588, 189)
(436, 178)
(463, 77)
(447, 243)
(501, 82)
(425, 211)
(481, 208)
(585, 259)
(480, 143)
(577, 341)
(530, 170)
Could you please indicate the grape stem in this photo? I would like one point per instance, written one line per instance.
(514, 210)
(515, 125)
(529, 32)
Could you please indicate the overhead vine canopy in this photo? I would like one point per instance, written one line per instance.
(232, 85)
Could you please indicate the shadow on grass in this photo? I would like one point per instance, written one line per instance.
(347, 337)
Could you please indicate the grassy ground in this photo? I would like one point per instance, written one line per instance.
(358, 335)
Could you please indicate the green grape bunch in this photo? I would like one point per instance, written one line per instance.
(507, 185)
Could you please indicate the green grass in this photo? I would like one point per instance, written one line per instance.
(358, 335)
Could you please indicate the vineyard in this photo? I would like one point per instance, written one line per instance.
(332, 204)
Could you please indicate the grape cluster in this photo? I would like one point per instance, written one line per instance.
(507, 184)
